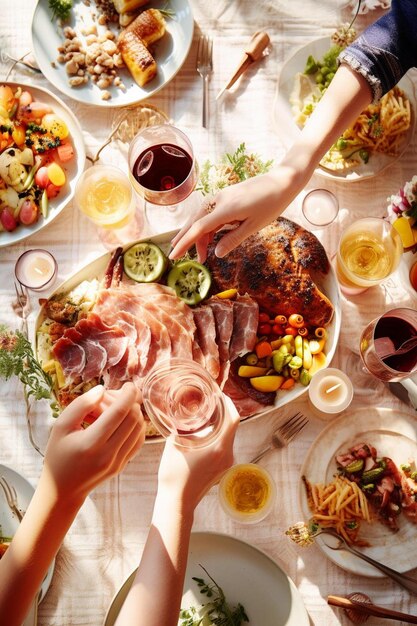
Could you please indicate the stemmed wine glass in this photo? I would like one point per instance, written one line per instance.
(164, 172)
(385, 335)
(181, 398)
(369, 251)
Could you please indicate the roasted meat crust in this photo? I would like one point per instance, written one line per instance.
(274, 266)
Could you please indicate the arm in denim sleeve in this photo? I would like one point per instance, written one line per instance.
(386, 49)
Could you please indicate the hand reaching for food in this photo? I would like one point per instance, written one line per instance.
(77, 459)
(249, 206)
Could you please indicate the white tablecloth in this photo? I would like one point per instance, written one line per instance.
(106, 540)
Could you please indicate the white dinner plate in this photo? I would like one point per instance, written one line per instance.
(8, 520)
(169, 53)
(289, 131)
(245, 574)
(328, 284)
(73, 168)
(394, 434)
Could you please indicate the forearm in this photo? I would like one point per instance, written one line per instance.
(346, 97)
(35, 544)
(155, 596)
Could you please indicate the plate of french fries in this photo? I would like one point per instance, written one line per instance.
(102, 58)
(376, 140)
(335, 502)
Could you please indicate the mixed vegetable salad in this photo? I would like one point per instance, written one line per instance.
(35, 146)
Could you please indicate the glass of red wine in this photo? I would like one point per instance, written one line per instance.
(382, 345)
(164, 173)
(182, 399)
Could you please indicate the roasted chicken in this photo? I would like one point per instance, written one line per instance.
(276, 267)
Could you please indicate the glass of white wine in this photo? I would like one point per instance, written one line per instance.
(369, 251)
(105, 194)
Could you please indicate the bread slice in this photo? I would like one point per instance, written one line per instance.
(137, 57)
(127, 6)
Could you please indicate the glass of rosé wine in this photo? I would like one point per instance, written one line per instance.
(182, 399)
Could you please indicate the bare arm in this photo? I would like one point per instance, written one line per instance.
(256, 202)
(76, 460)
(184, 477)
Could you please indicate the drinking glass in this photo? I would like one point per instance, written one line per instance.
(105, 195)
(181, 398)
(320, 207)
(164, 173)
(369, 251)
(397, 325)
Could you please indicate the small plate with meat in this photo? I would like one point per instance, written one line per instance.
(381, 441)
(100, 325)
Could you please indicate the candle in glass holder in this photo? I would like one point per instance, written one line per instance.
(320, 207)
(330, 392)
(36, 269)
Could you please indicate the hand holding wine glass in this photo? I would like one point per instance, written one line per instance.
(182, 399)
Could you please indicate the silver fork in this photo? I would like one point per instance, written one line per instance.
(405, 581)
(22, 306)
(205, 68)
(284, 434)
(11, 497)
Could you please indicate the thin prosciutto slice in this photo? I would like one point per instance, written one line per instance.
(206, 339)
(223, 316)
(245, 326)
(102, 346)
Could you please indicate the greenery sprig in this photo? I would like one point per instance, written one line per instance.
(217, 611)
(60, 9)
(232, 168)
(17, 359)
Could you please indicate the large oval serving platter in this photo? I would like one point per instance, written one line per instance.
(328, 284)
(73, 169)
(170, 52)
(289, 131)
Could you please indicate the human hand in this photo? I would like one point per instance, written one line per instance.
(249, 206)
(78, 459)
(186, 474)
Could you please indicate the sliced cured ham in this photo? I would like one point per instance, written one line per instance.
(245, 326)
(245, 405)
(71, 356)
(103, 346)
(223, 316)
(206, 338)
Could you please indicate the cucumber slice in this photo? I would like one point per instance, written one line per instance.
(144, 262)
(190, 280)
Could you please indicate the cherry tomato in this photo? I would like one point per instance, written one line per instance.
(264, 329)
(263, 318)
(42, 178)
(7, 219)
(29, 212)
(277, 329)
(290, 330)
(52, 190)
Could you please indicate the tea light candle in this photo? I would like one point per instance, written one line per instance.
(320, 207)
(36, 269)
(330, 392)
